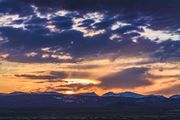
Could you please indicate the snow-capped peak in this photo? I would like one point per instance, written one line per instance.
(124, 94)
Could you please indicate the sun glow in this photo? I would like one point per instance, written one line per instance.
(69, 92)
(81, 81)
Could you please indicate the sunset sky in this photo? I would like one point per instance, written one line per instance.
(75, 46)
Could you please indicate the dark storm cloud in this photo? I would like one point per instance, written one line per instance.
(51, 77)
(162, 10)
(44, 77)
(55, 76)
(129, 78)
(63, 22)
(175, 89)
(81, 47)
(39, 38)
(154, 77)
(157, 15)
(171, 50)
(71, 74)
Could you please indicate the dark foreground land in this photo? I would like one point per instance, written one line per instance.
(85, 114)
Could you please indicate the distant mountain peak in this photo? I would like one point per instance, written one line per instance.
(157, 96)
(18, 93)
(88, 94)
(175, 97)
(123, 94)
(33, 93)
(48, 93)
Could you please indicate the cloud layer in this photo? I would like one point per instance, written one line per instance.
(123, 45)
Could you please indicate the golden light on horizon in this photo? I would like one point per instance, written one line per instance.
(81, 81)
(33, 77)
(69, 92)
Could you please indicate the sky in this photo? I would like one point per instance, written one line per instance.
(77, 46)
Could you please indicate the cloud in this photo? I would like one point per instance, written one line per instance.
(81, 32)
(56, 89)
(51, 77)
(129, 78)
(78, 37)
(31, 54)
(55, 76)
(175, 89)
(160, 35)
(77, 87)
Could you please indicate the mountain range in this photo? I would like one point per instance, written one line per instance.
(89, 100)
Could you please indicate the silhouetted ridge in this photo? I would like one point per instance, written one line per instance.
(126, 100)
(123, 94)
(88, 94)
